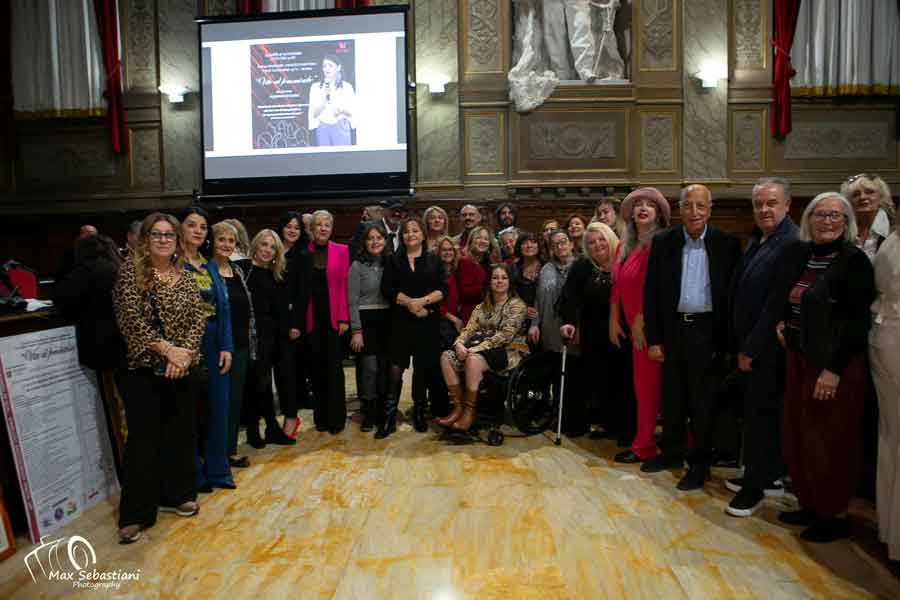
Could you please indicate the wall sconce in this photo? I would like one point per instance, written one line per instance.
(175, 92)
(436, 82)
(710, 73)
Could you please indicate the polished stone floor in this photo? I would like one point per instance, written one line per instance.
(415, 517)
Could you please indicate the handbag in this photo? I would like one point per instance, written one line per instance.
(195, 375)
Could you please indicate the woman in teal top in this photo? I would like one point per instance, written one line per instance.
(213, 470)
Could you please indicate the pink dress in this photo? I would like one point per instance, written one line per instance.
(628, 292)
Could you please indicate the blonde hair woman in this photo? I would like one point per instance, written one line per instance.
(264, 275)
(436, 226)
(584, 309)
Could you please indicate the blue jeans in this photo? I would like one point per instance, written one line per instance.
(336, 134)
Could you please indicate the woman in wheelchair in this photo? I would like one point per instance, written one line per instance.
(493, 340)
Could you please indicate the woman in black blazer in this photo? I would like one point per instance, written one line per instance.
(414, 284)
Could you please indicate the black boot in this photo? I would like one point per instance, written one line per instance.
(253, 437)
(368, 414)
(388, 422)
(420, 421)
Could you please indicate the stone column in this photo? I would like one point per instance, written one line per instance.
(705, 125)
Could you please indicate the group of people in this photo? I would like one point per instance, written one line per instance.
(805, 319)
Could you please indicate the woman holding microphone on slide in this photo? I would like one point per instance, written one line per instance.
(331, 103)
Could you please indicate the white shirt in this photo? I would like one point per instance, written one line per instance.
(340, 98)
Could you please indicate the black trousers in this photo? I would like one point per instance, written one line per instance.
(327, 370)
(258, 399)
(763, 414)
(690, 376)
(291, 375)
(159, 467)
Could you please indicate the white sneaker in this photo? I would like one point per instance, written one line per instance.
(185, 509)
(772, 490)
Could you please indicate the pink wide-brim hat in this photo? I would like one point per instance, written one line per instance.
(645, 193)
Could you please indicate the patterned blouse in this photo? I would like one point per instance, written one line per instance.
(502, 328)
(182, 312)
(205, 284)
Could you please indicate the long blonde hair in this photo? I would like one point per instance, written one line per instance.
(277, 266)
(437, 250)
(427, 214)
(140, 258)
(493, 251)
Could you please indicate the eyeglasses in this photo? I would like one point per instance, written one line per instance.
(163, 236)
(869, 176)
(561, 242)
(833, 216)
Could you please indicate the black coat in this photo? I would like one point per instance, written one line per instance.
(662, 286)
(750, 288)
(296, 285)
(835, 311)
(584, 302)
(84, 296)
(270, 308)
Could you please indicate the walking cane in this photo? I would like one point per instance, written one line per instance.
(562, 388)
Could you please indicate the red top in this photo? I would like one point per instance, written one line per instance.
(450, 303)
(470, 277)
(628, 281)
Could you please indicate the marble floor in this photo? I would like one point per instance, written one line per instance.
(415, 517)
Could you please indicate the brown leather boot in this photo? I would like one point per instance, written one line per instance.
(464, 422)
(456, 403)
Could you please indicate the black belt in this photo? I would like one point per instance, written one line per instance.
(694, 317)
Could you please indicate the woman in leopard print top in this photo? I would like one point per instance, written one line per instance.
(161, 317)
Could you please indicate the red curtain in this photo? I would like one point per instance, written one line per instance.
(107, 21)
(785, 12)
(249, 7)
(350, 3)
(7, 122)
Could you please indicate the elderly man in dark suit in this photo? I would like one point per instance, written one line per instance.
(686, 325)
(758, 353)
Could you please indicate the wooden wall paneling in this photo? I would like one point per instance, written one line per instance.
(747, 146)
(145, 157)
(656, 29)
(830, 142)
(659, 141)
(139, 43)
(484, 47)
(750, 53)
(485, 147)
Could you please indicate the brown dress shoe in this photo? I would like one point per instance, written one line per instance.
(456, 403)
(465, 420)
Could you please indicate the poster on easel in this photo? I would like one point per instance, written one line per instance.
(57, 428)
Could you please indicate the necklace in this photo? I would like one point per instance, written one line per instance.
(167, 276)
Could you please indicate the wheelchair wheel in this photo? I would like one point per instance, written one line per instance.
(530, 397)
(495, 437)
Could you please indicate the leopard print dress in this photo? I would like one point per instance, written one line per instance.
(181, 311)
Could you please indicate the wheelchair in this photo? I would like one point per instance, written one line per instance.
(525, 398)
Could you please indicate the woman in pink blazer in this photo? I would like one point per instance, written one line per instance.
(327, 320)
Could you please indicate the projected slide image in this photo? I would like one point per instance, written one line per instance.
(303, 94)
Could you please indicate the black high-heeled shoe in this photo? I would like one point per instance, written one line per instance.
(277, 436)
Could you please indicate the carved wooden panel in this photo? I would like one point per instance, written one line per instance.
(562, 141)
(839, 140)
(486, 34)
(748, 26)
(748, 139)
(68, 158)
(657, 35)
(485, 147)
(145, 169)
(659, 141)
(139, 41)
